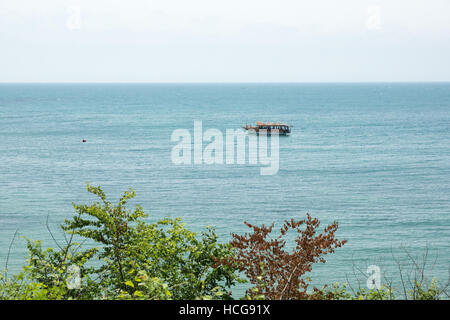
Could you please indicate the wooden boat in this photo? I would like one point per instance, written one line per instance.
(283, 128)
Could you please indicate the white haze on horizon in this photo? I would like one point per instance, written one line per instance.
(224, 41)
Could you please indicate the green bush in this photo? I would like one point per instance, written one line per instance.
(135, 259)
(417, 292)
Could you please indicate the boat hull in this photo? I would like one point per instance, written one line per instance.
(268, 132)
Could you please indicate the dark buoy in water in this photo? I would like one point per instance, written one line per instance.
(84, 140)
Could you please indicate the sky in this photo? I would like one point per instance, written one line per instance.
(224, 41)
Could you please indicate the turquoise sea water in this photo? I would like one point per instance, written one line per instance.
(374, 157)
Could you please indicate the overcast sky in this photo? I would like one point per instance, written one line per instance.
(224, 41)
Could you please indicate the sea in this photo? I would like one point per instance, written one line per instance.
(375, 157)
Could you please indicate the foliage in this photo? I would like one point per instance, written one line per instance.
(146, 289)
(341, 292)
(17, 288)
(134, 259)
(412, 280)
(164, 250)
(418, 292)
(46, 273)
(265, 260)
(422, 292)
(50, 268)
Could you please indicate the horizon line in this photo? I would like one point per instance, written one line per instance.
(220, 82)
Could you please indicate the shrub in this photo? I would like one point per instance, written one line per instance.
(132, 259)
(164, 251)
(266, 261)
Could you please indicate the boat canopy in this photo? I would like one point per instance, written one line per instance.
(271, 124)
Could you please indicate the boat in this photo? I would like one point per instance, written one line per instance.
(283, 128)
